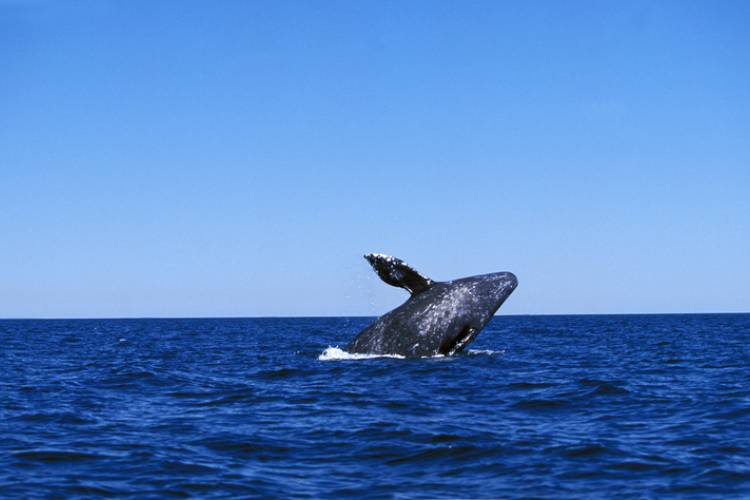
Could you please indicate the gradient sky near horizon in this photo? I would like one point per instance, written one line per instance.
(238, 158)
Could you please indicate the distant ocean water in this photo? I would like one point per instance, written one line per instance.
(545, 406)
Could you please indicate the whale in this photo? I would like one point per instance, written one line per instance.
(438, 318)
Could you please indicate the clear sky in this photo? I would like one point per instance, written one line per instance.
(238, 158)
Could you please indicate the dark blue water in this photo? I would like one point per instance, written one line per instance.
(606, 406)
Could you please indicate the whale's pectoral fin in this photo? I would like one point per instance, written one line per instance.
(458, 343)
(396, 272)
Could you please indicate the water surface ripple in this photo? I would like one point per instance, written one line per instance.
(551, 406)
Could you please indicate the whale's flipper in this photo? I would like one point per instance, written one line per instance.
(396, 272)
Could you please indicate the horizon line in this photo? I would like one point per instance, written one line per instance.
(101, 318)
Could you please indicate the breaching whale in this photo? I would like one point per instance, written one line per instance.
(438, 318)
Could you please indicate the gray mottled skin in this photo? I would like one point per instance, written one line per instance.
(438, 318)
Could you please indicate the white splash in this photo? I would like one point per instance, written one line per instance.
(336, 354)
(489, 352)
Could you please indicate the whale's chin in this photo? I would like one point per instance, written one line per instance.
(459, 342)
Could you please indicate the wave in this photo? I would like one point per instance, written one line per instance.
(488, 352)
(336, 354)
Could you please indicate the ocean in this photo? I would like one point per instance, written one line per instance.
(622, 406)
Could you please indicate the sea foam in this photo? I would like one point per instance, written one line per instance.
(336, 353)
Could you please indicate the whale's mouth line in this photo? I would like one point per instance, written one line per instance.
(457, 344)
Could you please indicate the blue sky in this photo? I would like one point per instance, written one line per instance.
(238, 158)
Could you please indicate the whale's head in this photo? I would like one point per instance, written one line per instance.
(468, 304)
(489, 291)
